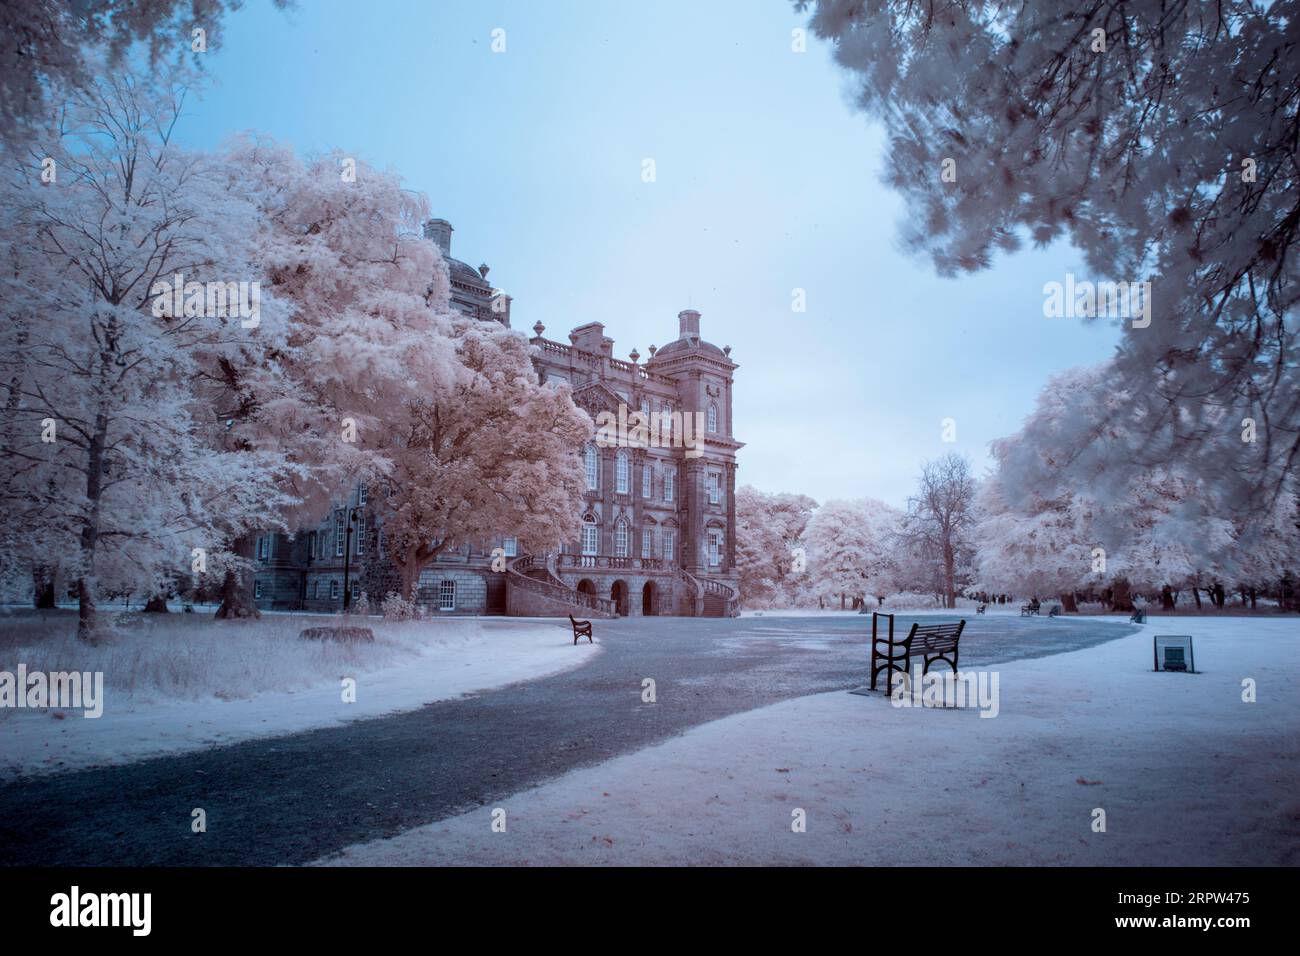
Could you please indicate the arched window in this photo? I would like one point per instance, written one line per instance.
(620, 538)
(621, 469)
(591, 458)
(713, 417)
(590, 535)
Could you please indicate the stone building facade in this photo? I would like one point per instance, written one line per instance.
(656, 535)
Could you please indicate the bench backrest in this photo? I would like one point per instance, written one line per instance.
(937, 635)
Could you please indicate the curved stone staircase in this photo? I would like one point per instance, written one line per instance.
(538, 577)
(712, 598)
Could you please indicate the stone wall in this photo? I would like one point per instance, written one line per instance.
(471, 589)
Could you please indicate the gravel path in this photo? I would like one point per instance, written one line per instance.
(292, 799)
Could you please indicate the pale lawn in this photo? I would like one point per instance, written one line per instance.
(181, 682)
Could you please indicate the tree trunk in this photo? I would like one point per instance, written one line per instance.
(43, 576)
(410, 581)
(237, 587)
(87, 618)
(1068, 603)
(1122, 596)
(156, 605)
(1253, 596)
(1167, 598)
(1196, 593)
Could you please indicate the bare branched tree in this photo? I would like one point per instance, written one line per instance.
(939, 519)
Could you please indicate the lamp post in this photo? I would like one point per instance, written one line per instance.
(347, 551)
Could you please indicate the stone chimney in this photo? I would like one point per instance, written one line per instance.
(689, 322)
(591, 338)
(439, 230)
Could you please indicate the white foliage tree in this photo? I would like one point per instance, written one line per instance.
(1159, 138)
(114, 452)
(488, 453)
(768, 532)
(852, 549)
(1159, 529)
(52, 46)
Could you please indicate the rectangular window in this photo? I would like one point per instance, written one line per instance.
(620, 540)
(646, 542)
(447, 596)
(334, 590)
(592, 463)
(621, 468)
(715, 487)
(361, 532)
(355, 589)
(263, 547)
(339, 535)
(590, 538)
(257, 590)
(715, 548)
(511, 547)
(670, 545)
(670, 484)
(645, 480)
(362, 494)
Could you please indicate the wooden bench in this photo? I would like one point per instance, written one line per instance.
(581, 629)
(935, 642)
(981, 609)
(1033, 607)
(1055, 611)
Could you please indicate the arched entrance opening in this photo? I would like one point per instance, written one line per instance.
(618, 594)
(585, 586)
(648, 599)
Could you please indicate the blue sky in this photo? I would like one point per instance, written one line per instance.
(767, 181)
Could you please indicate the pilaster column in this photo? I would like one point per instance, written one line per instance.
(731, 516)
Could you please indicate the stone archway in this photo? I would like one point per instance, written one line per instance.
(618, 594)
(648, 596)
(585, 586)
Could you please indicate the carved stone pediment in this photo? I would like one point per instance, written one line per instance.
(595, 397)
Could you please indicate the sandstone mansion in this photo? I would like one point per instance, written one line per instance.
(657, 531)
